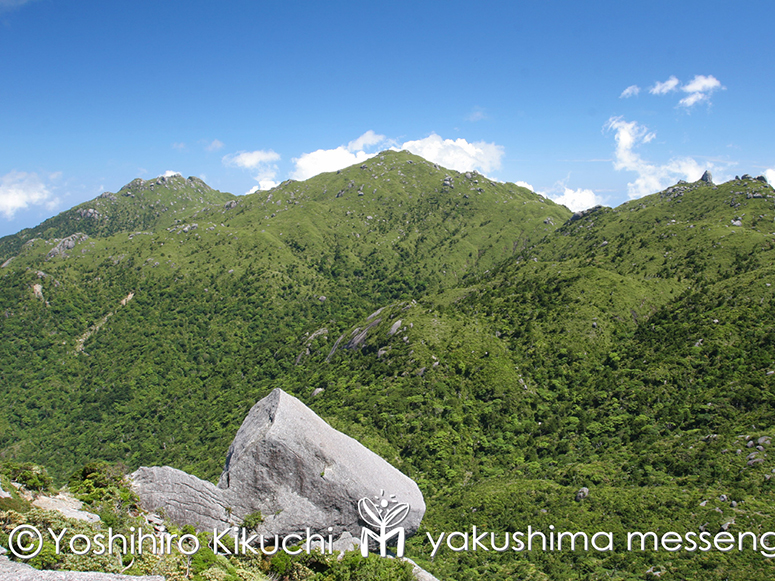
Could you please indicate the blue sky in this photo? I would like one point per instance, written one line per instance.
(588, 102)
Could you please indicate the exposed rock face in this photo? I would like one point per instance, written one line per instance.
(291, 466)
(3, 493)
(186, 499)
(66, 244)
(419, 573)
(67, 505)
(359, 338)
(707, 177)
(299, 472)
(13, 571)
(580, 214)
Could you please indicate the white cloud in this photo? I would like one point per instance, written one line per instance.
(169, 173)
(250, 159)
(322, 160)
(630, 91)
(214, 145)
(701, 84)
(253, 190)
(693, 99)
(770, 175)
(577, 200)
(368, 139)
(664, 88)
(260, 162)
(651, 178)
(19, 190)
(700, 88)
(179, 146)
(459, 154)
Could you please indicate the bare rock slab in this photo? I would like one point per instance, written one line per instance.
(185, 499)
(13, 571)
(290, 465)
(300, 472)
(67, 505)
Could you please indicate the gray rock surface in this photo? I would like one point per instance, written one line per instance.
(66, 244)
(65, 504)
(300, 472)
(580, 214)
(707, 177)
(359, 335)
(13, 571)
(185, 499)
(419, 573)
(394, 328)
(290, 465)
(3, 493)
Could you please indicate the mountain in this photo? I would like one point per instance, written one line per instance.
(500, 350)
(139, 205)
(145, 325)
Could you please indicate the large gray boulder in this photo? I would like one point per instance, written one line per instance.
(300, 472)
(294, 468)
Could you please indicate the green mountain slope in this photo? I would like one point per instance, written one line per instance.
(497, 349)
(139, 205)
(218, 295)
(572, 364)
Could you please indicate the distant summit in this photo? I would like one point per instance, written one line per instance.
(139, 205)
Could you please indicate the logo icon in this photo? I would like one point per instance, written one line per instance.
(385, 515)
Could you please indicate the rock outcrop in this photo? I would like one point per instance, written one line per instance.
(290, 465)
(707, 177)
(65, 504)
(66, 244)
(13, 571)
(186, 499)
(300, 472)
(581, 213)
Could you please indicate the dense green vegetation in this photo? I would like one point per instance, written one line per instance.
(629, 351)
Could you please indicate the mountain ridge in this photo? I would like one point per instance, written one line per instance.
(131, 208)
(481, 338)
